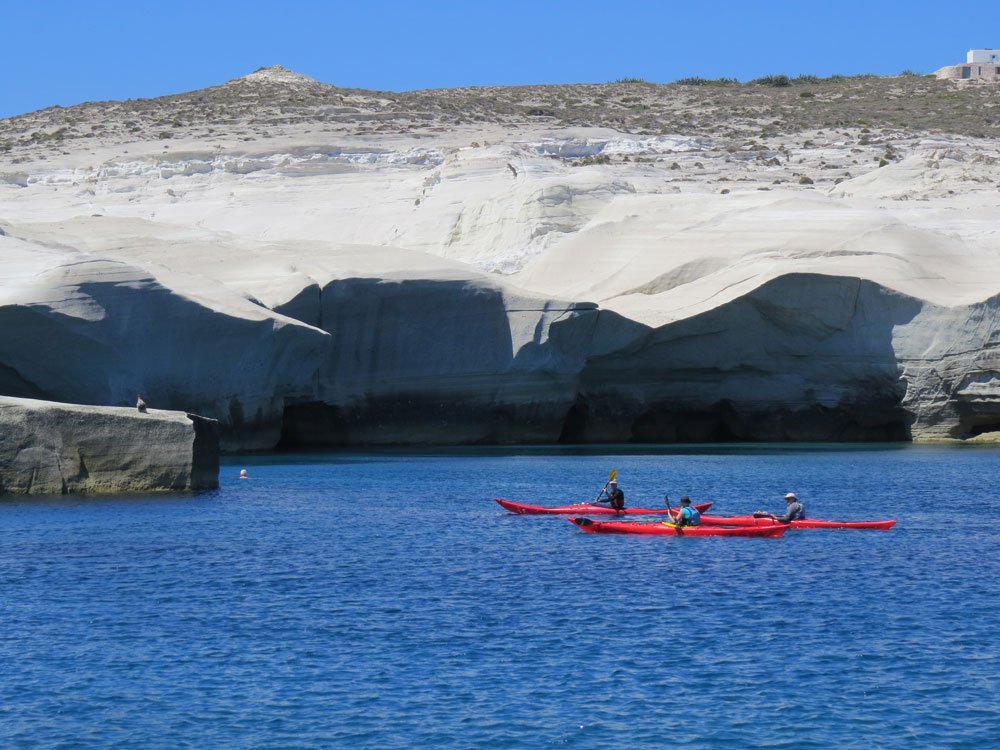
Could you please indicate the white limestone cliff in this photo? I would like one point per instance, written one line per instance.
(487, 283)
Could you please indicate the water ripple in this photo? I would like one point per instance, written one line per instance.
(412, 612)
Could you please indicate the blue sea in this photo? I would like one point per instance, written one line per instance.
(383, 600)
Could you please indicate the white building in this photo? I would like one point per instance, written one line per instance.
(980, 65)
(983, 56)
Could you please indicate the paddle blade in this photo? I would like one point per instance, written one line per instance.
(612, 475)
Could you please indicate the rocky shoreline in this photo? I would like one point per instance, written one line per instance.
(56, 449)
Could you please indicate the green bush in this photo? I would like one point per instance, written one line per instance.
(696, 81)
(779, 80)
(588, 161)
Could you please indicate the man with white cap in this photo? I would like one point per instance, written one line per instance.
(794, 511)
(615, 496)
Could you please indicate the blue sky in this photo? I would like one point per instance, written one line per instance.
(64, 53)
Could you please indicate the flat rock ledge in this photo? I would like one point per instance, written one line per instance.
(49, 448)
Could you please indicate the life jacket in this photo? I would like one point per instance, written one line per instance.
(618, 499)
(794, 512)
(690, 516)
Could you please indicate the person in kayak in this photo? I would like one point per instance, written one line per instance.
(688, 515)
(794, 511)
(613, 495)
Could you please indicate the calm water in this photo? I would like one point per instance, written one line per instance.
(385, 601)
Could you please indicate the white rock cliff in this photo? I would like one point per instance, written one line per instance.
(488, 284)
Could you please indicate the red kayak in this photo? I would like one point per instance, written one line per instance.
(589, 509)
(807, 523)
(668, 529)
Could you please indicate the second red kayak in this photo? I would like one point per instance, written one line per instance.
(668, 529)
(808, 523)
(589, 509)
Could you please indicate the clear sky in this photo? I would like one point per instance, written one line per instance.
(69, 51)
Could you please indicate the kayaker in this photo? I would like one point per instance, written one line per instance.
(794, 511)
(614, 495)
(688, 515)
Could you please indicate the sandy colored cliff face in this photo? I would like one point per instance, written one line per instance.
(357, 267)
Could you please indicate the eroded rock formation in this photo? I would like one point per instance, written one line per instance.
(51, 448)
(510, 284)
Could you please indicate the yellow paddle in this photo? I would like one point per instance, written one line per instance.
(611, 478)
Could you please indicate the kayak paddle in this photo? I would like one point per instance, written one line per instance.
(666, 499)
(611, 477)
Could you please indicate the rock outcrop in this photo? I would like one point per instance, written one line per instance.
(497, 284)
(52, 448)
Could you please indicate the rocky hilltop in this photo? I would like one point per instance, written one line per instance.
(804, 259)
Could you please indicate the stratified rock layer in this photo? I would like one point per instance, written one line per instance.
(499, 282)
(50, 448)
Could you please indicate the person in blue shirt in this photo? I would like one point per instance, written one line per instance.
(687, 515)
